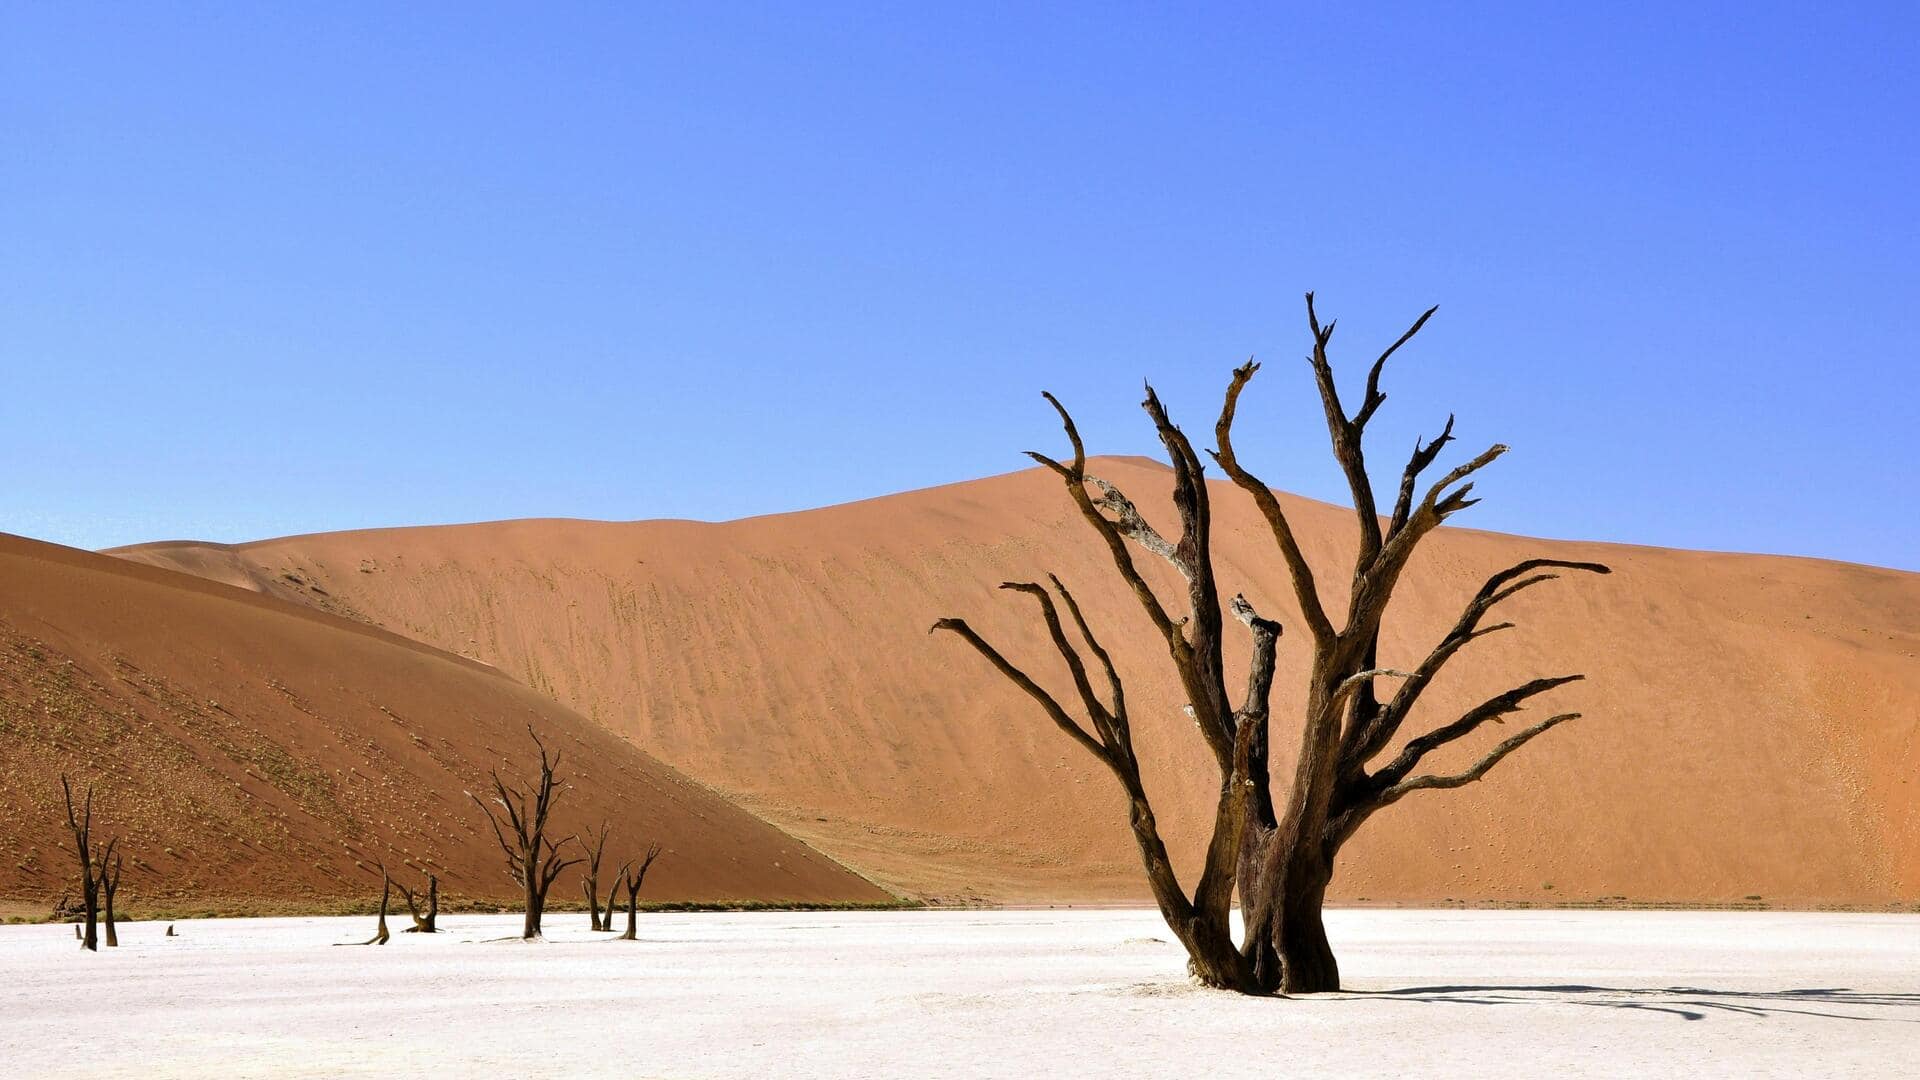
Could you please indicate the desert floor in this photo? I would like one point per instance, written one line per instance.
(990, 993)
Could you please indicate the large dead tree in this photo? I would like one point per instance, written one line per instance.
(1278, 856)
(594, 845)
(630, 878)
(533, 861)
(81, 827)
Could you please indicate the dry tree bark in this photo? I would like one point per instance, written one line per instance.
(533, 861)
(81, 826)
(613, 889)
(630, 878)
(1278, 856)
(426, 924)
(380, 935)
(590, 881)
(110, 866)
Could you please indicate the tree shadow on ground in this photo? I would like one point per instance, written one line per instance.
(1686, 1002)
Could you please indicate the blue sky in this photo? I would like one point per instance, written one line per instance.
(265, 272)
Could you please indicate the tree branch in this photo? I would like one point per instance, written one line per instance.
(1199, 656)
(1494, 708)
(1304, 589)
(1374, 398)
(1126, 518)
(1020, 679)
(1075, 476)
(1096, 710)
(1345, 434)
(1423, 456)
(1374, 737)
(1119, 726)
(1266, 638)
(1396, 791)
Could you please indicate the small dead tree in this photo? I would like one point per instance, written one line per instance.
(110, 865)
(81, 826)
(380, 936)
(1278, 856)
(594, 845)
(630, 878)
(422, 924)
(533, 861)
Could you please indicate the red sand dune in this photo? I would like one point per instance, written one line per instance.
(255, 753)
(1752, 723)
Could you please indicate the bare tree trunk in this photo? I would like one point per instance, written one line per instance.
(594, 845)
(631, 878)
(426, 924)
(381, 936)
(109, 885)
(1306, 956)
(81, 827)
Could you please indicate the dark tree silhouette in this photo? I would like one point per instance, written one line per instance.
(380, 935)
(533, 861)
(630, 878)
(110, 865)
(422, 924)
(613, 890)
(594, 845)
(81, 826)
(1281, 856)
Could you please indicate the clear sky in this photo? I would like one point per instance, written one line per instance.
(264, 272)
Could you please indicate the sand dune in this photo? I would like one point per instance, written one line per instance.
(1752, 723)
(253, 753)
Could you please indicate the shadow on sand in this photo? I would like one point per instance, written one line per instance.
(1686, 1002)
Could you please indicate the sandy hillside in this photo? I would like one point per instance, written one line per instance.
(1752, 723)
(253, 750)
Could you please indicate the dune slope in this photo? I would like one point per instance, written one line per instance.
(1751, 730)
(256, 753)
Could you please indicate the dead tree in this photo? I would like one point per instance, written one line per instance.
(590, 881)
(630, 879)
(110, 864)
(613, 889)
(533, 861)
(81, 826)
(422, 924)
(380, 935)
(1278, 856)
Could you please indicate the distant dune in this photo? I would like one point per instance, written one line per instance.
(256, 753)
(1752, 723)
